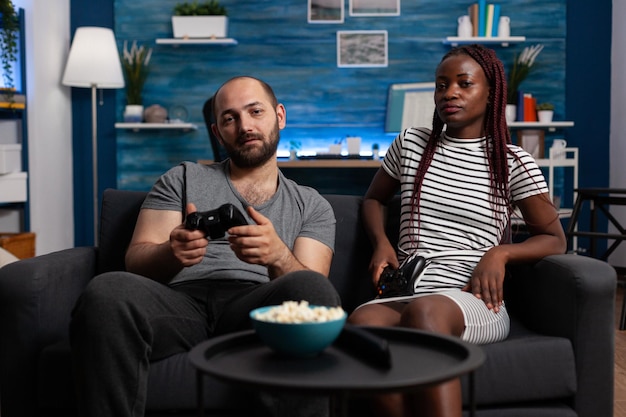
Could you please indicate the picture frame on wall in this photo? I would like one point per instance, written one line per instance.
(362, 48)
(374, 7)
(325, 11)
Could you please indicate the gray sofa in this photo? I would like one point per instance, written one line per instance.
(558, 360)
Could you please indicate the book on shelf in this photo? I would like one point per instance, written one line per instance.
(530, 108)
(473, 14)
(485, 18)
(526, 107)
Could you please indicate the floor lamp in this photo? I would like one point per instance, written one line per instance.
(94, 62)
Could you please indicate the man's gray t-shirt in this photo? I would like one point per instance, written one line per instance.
(295, 211)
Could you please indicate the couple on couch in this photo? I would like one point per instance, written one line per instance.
(458, 188)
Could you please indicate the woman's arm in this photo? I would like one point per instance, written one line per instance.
(381, 190)
(546, 238)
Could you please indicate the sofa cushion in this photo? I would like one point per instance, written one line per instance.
(544, 368)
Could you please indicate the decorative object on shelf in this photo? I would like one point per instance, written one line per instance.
(464, 28)
(522, 65)
(8, 44)
(294, 147)
(504, 27)
(354, 145)
(135, 61)
(375, 151)
(155, 114)
(178, 114)
(207, 19)
(510, 113)
(545, 112)
(94, 62)
(532, 141)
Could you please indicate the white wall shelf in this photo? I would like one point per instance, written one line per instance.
(156, 126)
(456, 40)
(552, 126)
(196, 41)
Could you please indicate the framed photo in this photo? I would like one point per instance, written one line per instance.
(362, 48)
(374, 7)
(325, 11)
(532, 141)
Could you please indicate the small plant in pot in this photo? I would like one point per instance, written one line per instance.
(200, 19)
(545, 112)
(135, 63)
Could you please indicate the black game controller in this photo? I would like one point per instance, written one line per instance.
(216, 222)
(400, 282)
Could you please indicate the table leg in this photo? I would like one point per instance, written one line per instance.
(200, 393)
(472, 395)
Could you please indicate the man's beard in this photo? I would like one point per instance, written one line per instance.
(252, 157)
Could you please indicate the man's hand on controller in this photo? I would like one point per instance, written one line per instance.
(188, 246)
(257, 244)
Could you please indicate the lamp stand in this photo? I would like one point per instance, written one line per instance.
(94, 157)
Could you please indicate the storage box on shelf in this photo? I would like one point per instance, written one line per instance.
(13, 187)
(10, 158)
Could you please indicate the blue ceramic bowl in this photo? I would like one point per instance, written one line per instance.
(297, 339)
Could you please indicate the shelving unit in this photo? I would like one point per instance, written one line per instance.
(196, 41)
(569, 159)
(456, 40)
(552, 126)
(156, 126)
(14, 188)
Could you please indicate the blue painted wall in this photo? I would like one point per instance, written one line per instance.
(324, 103)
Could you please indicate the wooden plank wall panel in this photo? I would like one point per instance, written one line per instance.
(324, 103)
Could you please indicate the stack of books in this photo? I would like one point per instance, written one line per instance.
(526, 107)
(485, 18)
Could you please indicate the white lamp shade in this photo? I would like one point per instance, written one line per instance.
(93, 60)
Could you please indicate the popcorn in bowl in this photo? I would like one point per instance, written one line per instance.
(298, 328)
(299, 312)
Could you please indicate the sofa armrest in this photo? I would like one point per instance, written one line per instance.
(36, 299)
(572, 296)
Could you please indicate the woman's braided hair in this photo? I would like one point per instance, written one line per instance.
(496, 130)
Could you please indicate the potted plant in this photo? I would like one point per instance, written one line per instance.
(135, 63)
(205, 19)
(8, 44)
(522, 65)
(545, 112)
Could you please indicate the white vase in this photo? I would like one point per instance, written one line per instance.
(133, 113)
(200, 26)
(545, 116)
(510, 113)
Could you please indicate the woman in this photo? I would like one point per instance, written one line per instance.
(458, 189)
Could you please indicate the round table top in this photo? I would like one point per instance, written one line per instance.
(417, 359)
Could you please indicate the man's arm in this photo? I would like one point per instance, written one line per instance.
(260, 244)
(161, 246)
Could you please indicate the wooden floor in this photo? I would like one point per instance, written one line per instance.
(620, 361)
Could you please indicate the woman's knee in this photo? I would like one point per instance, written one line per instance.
(434, 313)
(374, 315)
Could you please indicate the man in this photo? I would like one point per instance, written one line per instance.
(182, 287)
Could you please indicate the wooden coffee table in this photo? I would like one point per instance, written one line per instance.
(419, 359)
